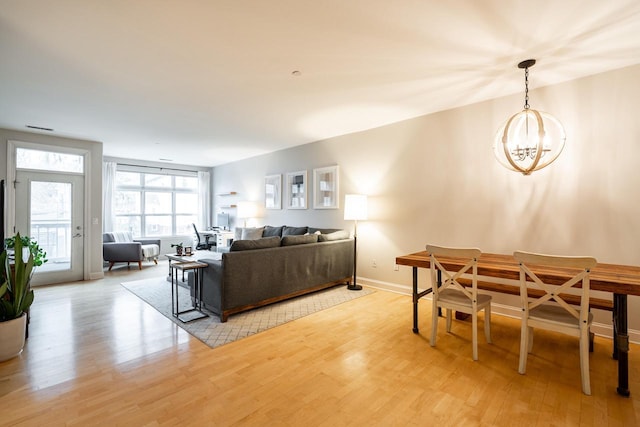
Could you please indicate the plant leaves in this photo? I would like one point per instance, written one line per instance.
(18, 295)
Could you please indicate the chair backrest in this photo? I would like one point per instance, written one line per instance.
(197, 234)
(552, 292)
(451, 280)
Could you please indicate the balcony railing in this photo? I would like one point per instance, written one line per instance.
(54, 237)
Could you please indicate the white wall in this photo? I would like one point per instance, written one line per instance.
(434, 179)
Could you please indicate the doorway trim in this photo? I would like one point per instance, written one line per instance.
(10, 194)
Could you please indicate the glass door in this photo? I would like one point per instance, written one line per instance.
(51, 207)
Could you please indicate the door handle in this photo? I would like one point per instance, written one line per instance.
(77, 235)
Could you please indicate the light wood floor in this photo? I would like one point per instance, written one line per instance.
(98, 355)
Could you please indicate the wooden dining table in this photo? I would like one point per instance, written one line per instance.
(501, 273)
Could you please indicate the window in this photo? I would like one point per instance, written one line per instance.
(49, 161)
(152, 204)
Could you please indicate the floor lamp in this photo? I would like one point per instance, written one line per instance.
(247, 210)
(355, 208)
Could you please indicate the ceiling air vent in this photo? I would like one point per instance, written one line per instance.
(40, 128)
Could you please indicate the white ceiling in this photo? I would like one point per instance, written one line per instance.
(208, 82)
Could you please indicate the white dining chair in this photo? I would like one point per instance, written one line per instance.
(550, 311)
(451, 295)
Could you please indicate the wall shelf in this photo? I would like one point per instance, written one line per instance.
(226, 202)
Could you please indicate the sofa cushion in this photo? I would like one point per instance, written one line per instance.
(299, 240)
(262, 243)
(336, 235)
(313, 230)
(272, 231)
(252, 233)
(293, 231)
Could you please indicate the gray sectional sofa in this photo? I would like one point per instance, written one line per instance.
(269, 264)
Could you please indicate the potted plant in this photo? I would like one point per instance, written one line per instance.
(178, 247)
(16, 295)
(39, 255)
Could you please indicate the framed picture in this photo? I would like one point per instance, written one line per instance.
(297, 190)
(326, 188)
(273, 191)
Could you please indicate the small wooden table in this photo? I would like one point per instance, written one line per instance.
(195, 256)
(620, 280)
(196, 267)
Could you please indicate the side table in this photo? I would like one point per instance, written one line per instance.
(196, 267)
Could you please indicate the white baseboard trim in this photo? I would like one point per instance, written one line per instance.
(96, 276)
(600, 329)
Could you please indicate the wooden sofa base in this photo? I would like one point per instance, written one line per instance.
(224, 315)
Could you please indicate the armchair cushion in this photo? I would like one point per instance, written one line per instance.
(150, 248)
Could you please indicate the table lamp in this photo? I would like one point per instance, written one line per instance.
(355, 208)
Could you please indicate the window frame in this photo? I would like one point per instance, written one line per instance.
(142, 188)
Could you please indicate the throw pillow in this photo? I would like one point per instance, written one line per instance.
(252, 233)
(248, 245)
(293, 231)
(271, 231)
(122, 237)
(299, 240)
(336, 235)
(322, 230)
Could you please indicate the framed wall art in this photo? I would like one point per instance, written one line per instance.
(297, 190)
(326, 188)
(273, 191)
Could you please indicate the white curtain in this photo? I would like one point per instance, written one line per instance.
(108, 193)
(204, 199)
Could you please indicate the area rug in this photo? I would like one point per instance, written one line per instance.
(157, 293)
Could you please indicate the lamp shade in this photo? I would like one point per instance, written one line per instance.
(247, 210)
(355, 207)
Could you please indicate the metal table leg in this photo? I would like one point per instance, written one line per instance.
(621, 343)
(415, 300)
(175, 303)
(416, 297)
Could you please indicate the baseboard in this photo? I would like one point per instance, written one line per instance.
(96, 275)
(600, 329)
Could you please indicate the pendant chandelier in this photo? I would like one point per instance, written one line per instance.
(530, 139)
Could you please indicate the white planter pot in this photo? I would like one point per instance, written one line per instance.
(12, 334)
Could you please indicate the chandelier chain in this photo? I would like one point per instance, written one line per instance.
(526, 88)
